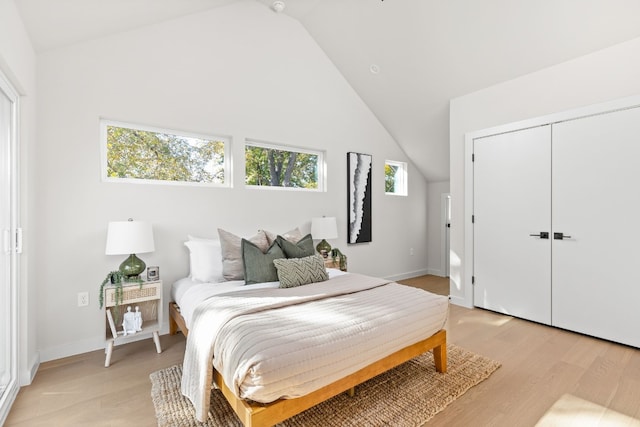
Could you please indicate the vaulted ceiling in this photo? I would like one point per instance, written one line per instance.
(405, 58)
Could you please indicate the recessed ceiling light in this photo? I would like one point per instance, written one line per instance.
(374, 68)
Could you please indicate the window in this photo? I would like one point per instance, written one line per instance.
(395, 178)
(275, 166)
(142, 154)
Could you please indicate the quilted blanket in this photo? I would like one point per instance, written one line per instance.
(283, 343)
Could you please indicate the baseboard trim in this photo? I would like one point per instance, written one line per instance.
(30, 371)
(71, 349)
(408, 275)
(435, 272)
(412, 274)
(462, 302)
(85, 346)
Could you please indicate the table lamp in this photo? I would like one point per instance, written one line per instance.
(128, 238)
(324, 228)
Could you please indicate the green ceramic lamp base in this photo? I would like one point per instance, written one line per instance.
(132, 266)
(323, 248)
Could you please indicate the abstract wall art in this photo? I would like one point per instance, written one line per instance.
(359, 197)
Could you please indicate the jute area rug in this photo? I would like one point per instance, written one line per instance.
(408, 395)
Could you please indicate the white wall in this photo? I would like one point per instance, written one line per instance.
(18, 63)
(434, 207)
(240, 70)
(598, 77)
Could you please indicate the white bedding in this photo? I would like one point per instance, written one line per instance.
(188, 293)
(272, 343)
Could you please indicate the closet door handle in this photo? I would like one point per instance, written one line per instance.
(560, 236)
(542, 235)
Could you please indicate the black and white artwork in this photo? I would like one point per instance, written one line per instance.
(359, 197)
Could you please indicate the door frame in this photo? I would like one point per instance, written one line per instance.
(445, 215)
(466, 299)
(14, 247)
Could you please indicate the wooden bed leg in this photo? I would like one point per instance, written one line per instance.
(176, 321)
(173, 327)
(440, 357)
(352, 391)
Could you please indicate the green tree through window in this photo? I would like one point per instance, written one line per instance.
(395, 178)
(274, 167)
(389, 178)
(143, 154)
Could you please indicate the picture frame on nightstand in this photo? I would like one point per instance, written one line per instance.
(153, 274)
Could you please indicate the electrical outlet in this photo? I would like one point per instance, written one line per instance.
(411, 251)
(83, 299)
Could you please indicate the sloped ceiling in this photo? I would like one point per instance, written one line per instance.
(422, 52)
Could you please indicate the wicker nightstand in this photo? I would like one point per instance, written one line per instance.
(148, 298)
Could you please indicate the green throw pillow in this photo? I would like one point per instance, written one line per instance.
(258, 266)
(302, 248)
(294, 272)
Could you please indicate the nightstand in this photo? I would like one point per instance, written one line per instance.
(149, 300)
(330, 263)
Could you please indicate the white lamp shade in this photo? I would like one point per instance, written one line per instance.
(129, 237)
(324, 228)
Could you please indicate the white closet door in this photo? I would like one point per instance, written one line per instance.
(596, 201)
(512, 201)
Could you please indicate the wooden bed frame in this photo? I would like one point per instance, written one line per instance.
(262, 415)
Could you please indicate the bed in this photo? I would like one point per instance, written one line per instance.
(277, 352)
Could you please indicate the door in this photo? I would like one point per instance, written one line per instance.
(512, 208)
(8, 288)
(596, 201)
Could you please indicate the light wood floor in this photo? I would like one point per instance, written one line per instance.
(539, 365)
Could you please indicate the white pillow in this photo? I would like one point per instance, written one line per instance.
(232, 263)
(205, 259)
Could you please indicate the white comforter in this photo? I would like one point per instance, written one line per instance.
(189, 293)
(284, 343)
